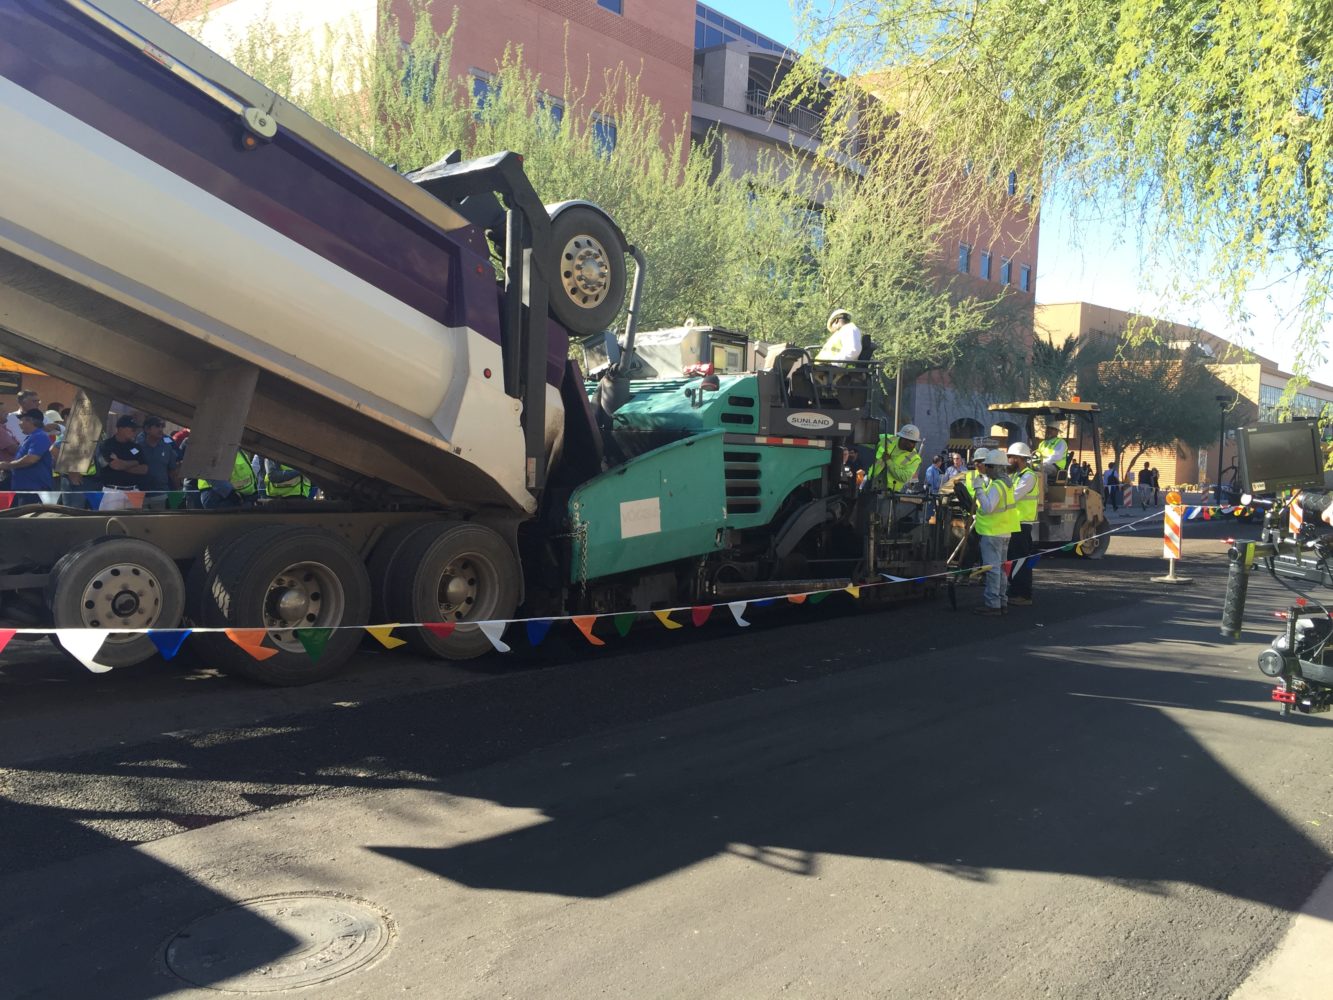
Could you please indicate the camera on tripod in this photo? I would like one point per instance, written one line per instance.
(1278, 459)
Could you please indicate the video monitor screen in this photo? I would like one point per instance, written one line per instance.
(1275, 457)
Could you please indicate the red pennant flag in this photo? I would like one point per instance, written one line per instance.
(1008, 568)
(584, 624)
(700, 614)
(441, 630)
(6, 500)
(797, 598)
(251, 640)
(5, 635)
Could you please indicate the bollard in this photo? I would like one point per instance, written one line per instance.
(1171, 544)
(1297, 515)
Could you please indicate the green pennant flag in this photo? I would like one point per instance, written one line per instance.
(624, 622)
(313, 640)
(817, 597)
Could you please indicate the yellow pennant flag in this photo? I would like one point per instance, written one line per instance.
(854, 590)
(384, 635)
(665, 618)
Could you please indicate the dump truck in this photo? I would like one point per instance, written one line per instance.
(176, 236)
(1069, 512)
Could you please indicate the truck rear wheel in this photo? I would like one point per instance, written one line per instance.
(454, 572)
(117, 581)
(588, 284)
(281, 579)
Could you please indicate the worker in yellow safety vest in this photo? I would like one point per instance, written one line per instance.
(284, 481)
(896, 458)
(1025, 485)
(239, 491)
(1052, 452)
(996, 518)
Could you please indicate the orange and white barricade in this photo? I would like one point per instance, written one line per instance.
(1296, 514)
(1175, 515)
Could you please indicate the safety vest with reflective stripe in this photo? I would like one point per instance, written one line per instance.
(896, 467)
(1027, 505)
(298, 487)
(1053, 452)
(242, 477)
(996, 512)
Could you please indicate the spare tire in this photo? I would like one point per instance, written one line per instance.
(589, 274)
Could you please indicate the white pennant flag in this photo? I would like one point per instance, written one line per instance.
(894, 579)
(83, 644)
(737, 609)
(1018, 564)
(493, 631)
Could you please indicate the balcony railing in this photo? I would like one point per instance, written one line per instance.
(762, 104)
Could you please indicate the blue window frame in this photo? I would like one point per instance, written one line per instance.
(1006, 272)
(713, 37)
(964, 258)
(614, 6)
(1013, 182)
(604, 135)
(483, 90)
(1025, 278)
(985, 265)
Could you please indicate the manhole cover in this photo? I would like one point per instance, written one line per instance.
(278, 943)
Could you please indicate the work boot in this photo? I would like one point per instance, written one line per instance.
(1021, 602)
(989, 612)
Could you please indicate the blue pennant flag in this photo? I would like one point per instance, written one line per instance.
(168, 640)
(537, 629)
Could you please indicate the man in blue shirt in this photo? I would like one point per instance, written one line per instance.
(159, 454)
(31, 468)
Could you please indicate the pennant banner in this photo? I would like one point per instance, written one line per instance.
(5, 635)
(854, 590)
(537, 629)
(441, 630)
(493, 631)
(83, 644)
(168, 640)
(737, 609)
(384, 636)
(584, 624)
(251, 640)
(701, 614)
(665, 618)
(313, 641)
(624, 622)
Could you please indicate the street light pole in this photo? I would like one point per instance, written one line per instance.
(1222, 402)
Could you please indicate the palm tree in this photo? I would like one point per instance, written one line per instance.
(1054, 371)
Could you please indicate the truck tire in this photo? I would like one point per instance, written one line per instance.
(382, 567)
(453, 572)
(117, 581)
(588, 280)
(281, 579)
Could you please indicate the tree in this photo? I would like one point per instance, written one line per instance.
(1204, 121)
(741, 251)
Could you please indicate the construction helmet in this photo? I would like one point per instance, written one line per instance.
(996, 457)
(980, 455)
(838, 314)
(1020, 450)
(910, 432)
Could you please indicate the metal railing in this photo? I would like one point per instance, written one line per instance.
(762, 104)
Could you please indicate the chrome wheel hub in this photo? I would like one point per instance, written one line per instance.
(304, 595)
(585, 271)
(125, 595)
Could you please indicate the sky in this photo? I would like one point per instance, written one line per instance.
(1099, 261)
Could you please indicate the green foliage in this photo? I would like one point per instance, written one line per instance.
(1204, 121)
(745, 252)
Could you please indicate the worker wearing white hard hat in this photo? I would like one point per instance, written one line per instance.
(844, 342)
(897, 458)
(1025, 485)
(996, 515)
(1052, 451)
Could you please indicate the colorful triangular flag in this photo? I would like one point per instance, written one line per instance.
(5, 635)
(624, 622)
(737, 609)
(167, 640)
(900, 579)
(819, 596)
(584, 624)
(251, 640)
(384, 636)
(441, 630)
(700, 614)
(313, 641)
(797, 598)
(6, 499)
(665, 618)
(854, 590)
(537, 629)
(83, 644)
(494, 631)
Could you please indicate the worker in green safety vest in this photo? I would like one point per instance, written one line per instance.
(1025, 485)
(897, 459)
(284, 481)
(1052, 452)
(240, 491)
(996, 518)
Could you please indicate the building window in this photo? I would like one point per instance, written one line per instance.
(484, 90)
(1006, 271)
(614, 6)
(603, 135)
(985, 265)
(1025, 278)
(964, 258)
(1013, 182)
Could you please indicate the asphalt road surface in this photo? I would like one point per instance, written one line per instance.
(1091, 797)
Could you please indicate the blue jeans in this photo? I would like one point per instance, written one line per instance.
(993, 551)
